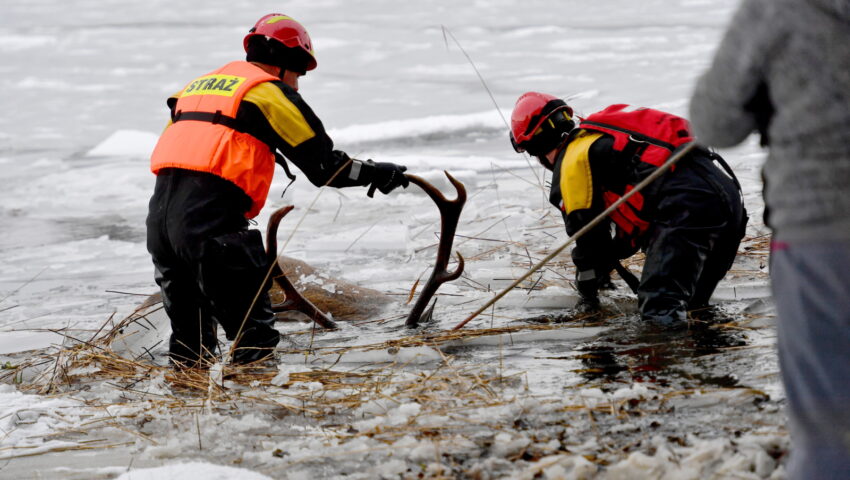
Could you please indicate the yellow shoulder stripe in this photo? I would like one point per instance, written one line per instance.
(576, 180)
(283, 116)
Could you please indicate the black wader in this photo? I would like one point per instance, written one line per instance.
(696, 229)
(209, 266)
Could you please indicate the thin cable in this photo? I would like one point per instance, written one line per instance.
(448, 32)
(24, 284)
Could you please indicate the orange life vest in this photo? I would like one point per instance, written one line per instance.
(203, 138)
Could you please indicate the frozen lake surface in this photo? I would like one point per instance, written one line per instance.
(84, 91)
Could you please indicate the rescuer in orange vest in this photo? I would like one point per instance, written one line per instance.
(214, 165)
(689, 222)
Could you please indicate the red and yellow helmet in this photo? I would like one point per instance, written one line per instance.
(538, 122)
(285, 30)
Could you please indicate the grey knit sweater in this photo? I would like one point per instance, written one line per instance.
(798, 53)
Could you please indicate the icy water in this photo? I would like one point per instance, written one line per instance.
(84, 91)
(390, 86)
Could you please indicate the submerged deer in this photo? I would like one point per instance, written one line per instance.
(294, 300)
(449, 215)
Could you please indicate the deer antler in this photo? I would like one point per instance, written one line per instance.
(449, 216)
(294, 299)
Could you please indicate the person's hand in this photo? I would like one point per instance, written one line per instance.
(386, 177)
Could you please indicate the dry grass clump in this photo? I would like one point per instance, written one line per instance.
(86, 362)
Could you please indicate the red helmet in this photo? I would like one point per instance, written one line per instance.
(285, 30)
(528, 130)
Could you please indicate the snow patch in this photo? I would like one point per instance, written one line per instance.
(13, 342)
(126, 143)
(178, 471)
(11, 43)
(417, 127)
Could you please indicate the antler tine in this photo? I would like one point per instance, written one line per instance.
(271, 229)
(449, 216)
(459, 187)
(437, 195)
(294, 299)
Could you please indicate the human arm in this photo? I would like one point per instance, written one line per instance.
(731, 99)
(281, 118)
(591, 255)
(583, 172)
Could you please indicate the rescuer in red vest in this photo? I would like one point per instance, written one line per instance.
(214, 165)
(689, 222)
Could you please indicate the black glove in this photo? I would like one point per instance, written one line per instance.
(386, 177)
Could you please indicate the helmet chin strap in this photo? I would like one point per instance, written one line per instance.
(543, 161)
(565, 139)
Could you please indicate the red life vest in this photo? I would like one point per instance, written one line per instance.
(203, 137)
(650, 137)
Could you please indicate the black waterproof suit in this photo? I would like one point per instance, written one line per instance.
(697, 220)
(210, 267)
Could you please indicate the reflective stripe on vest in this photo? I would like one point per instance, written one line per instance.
(196, 141)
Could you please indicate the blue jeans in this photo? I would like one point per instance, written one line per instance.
(811, 288)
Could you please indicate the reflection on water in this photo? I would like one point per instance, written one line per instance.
(637, 352)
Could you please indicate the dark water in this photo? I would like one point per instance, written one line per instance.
(640, 354)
